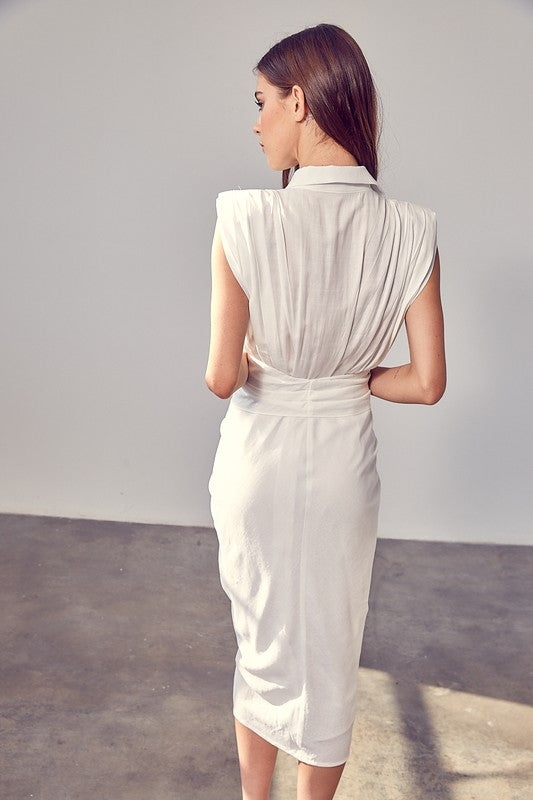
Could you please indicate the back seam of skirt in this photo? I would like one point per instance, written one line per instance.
(303, 579)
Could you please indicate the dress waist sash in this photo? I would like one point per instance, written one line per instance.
(270, 391)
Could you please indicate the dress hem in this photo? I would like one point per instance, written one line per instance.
(291, 751)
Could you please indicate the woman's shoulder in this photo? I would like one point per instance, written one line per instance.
(247, 199)
(409, 207)
(244, 194)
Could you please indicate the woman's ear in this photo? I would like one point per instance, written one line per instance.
(300, 107)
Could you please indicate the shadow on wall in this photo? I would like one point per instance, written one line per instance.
(484, 472)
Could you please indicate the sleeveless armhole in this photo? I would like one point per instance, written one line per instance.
(230, 224)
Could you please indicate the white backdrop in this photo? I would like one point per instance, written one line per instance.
(121, 121)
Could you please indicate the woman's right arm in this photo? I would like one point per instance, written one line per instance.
(423, 380)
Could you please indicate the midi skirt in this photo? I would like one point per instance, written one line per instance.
(294, 498)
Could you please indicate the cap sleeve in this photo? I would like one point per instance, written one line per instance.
(231, 225)
(424, 247)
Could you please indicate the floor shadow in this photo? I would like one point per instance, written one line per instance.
(456, 616)
(118, 656)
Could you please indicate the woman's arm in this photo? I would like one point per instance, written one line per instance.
(423, 380)
(243, 372)
(227, 365)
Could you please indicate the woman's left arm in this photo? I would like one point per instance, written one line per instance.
(423, 379)
(227, 365)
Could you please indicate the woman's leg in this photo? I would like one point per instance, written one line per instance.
(257, 759)
(317, 783)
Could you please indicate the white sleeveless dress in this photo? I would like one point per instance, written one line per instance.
(330, 266)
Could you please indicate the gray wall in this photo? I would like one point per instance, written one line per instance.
(121, 121)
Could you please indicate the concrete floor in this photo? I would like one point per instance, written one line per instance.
(117, 662)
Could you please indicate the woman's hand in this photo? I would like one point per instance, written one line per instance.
(423, 380)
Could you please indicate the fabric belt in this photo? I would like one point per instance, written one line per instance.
(270, 391)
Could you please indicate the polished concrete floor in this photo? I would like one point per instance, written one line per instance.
(117, 660)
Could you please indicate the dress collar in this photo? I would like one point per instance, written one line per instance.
(333, 173)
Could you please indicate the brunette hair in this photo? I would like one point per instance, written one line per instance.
(328, 64)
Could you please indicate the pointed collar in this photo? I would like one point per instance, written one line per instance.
(314, 175)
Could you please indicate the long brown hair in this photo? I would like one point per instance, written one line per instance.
(328, 64)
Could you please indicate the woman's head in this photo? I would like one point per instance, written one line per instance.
(316, 83)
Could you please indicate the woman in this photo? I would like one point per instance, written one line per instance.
(310, 286)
